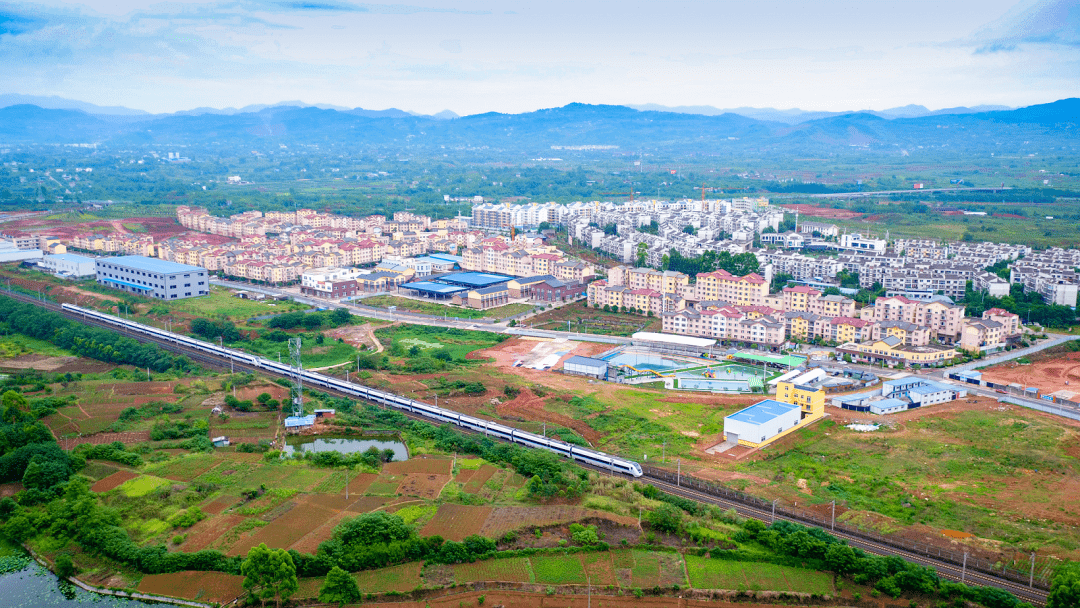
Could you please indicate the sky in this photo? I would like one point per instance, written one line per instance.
(474, 56)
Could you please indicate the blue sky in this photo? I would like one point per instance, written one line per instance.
(475, 56)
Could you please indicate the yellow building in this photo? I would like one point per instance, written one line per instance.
(892, 350)
(809, 397)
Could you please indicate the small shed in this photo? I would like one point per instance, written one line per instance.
(296, 423)
(586, 366)
(220, 442)
(888, 406)
(324, 413)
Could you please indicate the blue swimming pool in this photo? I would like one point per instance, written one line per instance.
(643, 361)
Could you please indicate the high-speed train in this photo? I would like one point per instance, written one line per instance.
(532, 440)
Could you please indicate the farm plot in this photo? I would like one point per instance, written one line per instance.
(509, 570)
(401, 579)
(202, 586)
(706, 573)
(385, 484)
(142, 485)
(186, 468)
(600, 568)
(424, 485)
(478, 479)
(507, 519)
(653, 569)
(113, 481)
(455, 522)
(558, 569)
(219, 504)
(420, 464)
(210, 530)
(302, 518)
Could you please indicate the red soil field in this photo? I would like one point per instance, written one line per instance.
(420, 464)
(204, 586)
(455, 522)
(209, 530)
(424, 485)
(113, 481)
(825, 212)
(1049, 375)
(506, 519)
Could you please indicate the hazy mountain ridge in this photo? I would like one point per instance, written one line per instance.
(571, 125)
(796, 116)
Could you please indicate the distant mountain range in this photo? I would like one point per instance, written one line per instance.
(1032, 129)
(796, 116)
(59, 103)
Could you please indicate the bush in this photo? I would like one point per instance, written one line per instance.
(65, 568)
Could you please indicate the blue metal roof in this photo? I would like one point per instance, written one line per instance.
(763, 411)
(144, 263)
(447, 257)
(888, 404)
(474, 279)
(431, 287)
(128, 283)
(931, 387)
(903, 382)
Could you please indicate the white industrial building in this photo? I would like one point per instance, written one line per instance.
(900, 394)
(586, 366)
(69, 264)
(759, 423)
(152, 277)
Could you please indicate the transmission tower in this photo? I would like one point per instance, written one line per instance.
(298, 372)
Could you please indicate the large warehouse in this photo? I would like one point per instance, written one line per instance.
(152, 277)
(760, 423)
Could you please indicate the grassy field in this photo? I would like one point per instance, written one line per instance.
(456, 342)
(14, 345)
(996, 475)
(593, 321)
(223, 303)
(449, 310)
(314, 355)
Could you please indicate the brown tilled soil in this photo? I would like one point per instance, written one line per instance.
(815, 211)
(424, 485)
(113, 481)
(455, 522)
(1059, 373)
(102, 438)
(420, 464)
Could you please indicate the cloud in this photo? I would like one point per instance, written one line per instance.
(451, 46)
(1030, 23)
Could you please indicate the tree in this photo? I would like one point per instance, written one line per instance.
(269, 574)
(642, 253)
(841, 559)
(312, 321)
(340, 588)
(340, 316)
(65, 568)
(666, 518)
(1065, 588)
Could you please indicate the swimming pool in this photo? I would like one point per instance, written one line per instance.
(643, 361)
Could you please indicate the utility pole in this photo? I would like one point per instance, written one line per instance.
(833, 526)
(678, 474)
(774, 511)
(1031, 578)
(963, 572)
(663, 452)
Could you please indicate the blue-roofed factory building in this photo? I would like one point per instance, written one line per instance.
(762, 422)
(152, 277)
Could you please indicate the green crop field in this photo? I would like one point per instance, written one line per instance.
(707, 573)
(588, 320)
(558, 569)
(512, 569)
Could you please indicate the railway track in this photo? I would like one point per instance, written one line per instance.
(946, 569)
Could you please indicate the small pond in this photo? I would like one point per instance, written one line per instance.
(35, 586)
(346, 445)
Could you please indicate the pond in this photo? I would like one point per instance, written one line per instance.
(346, 445)
(35, 586)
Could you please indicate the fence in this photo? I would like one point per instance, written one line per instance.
(1040, 578)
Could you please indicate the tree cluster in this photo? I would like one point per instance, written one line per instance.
(100, 344)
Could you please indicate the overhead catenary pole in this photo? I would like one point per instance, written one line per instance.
(833, 526)
(1031, 577)
(774, 510)
(963, 571)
